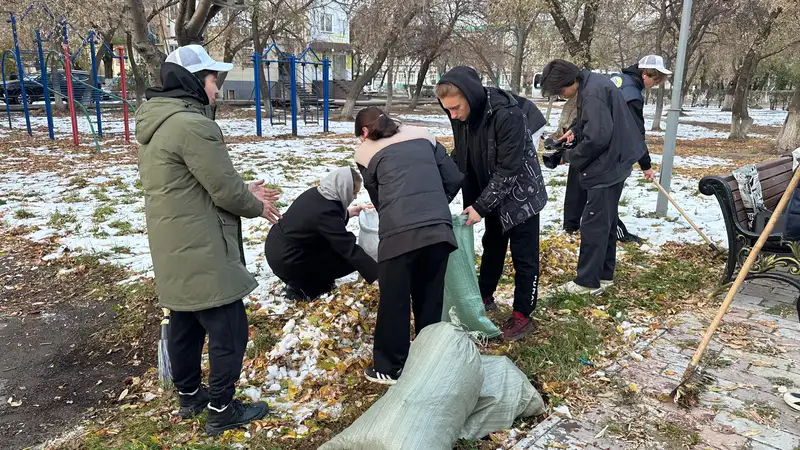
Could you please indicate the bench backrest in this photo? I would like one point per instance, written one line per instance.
(774, 176)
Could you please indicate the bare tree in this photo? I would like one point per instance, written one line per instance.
(433, 38)
(153, 57)
(384, 26)
(789, 137)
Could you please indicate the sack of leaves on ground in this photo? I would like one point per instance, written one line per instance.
(506, 394)
(461, 283)
(431, 401)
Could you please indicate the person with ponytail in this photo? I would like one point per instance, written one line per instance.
(411, 181)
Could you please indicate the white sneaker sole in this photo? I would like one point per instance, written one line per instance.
(384, 381)
(792, 401)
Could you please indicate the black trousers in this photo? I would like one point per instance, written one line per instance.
(227, 339)
(315, 279)
(418, 274)
(598, 255)
(574, 201)
(524, 254)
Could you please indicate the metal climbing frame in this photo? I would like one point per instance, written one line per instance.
(305, 98)
(66, 62)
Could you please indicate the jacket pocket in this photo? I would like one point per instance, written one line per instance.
(230, 235)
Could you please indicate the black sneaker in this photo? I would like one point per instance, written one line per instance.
(489, 304)
(193, 404)
(381, 378)
(235, 415)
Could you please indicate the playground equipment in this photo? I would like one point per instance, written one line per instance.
(307, 98)
(77, 90)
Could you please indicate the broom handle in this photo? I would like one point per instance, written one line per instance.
(683, 213)
(744, 271)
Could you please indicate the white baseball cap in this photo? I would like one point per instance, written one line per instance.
(194, 58)
(654, 62)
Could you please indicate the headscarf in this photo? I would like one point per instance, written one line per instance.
(338, 186)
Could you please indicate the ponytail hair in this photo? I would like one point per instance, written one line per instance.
(379, 125)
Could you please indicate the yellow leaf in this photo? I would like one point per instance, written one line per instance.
(669, 372)
(752, 432)
(761, 364)
(633, 387)
(600, 314)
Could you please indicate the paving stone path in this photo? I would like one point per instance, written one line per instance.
(754, 357)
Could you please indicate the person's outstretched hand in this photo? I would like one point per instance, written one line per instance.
(265, 195)
(356, 210)
(472, 216)
(271, 213)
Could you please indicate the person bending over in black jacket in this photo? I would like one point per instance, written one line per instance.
(411, 181)
(496, 134)
(608, 143)
(309, 248)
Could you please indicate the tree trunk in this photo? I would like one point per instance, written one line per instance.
(55, 80)
(153, 57)
(659, 109)
(377, 63)
(727, 105)
(421, 75)
(390, 86)
(137, 74)
(741, 121)
(258, 48)
(789, 137)
(579, 47)
(519, 53)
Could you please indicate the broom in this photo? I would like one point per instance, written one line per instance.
(164, 367)
(695, 376)
(713, 247)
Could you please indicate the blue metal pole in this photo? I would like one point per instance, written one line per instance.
(95, 89)
(45, 88)
(21, 72)
(293, 90)
(325, 101)
(257, 79)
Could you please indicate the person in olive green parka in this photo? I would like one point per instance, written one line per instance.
(194, 199)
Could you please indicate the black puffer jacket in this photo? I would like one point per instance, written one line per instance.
(410, 182)
(314, 225)
(495, 150)
(608, 141)
(630, 83)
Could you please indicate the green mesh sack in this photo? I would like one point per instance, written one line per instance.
(461, 289)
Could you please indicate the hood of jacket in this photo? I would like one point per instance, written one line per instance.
(467, 80)
(338, 186)
(482, 101)
(180, 90)
(636, 73)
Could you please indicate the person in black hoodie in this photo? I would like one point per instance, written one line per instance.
(496, 134)
(310, 247)
(411, 182)
(608, 143)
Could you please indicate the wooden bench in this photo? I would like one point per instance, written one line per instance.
(777, 253)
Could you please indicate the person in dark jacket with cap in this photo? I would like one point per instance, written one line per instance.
(411, 181)
(647, 73)
(310, 247)
(608, 143)
(495, 148)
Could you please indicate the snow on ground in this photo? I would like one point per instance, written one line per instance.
(97, 209)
